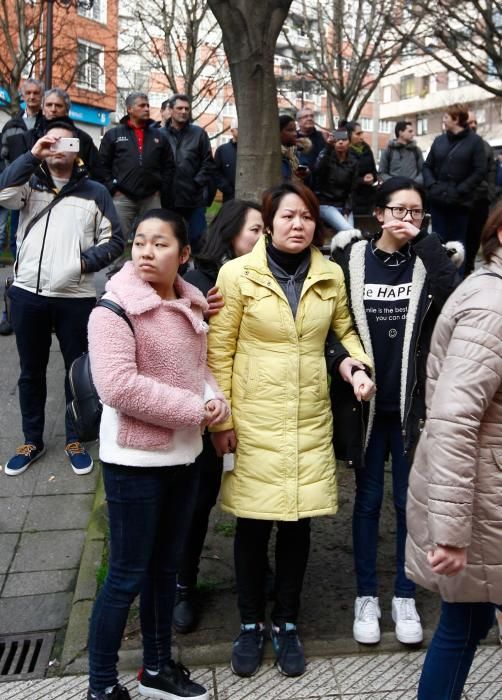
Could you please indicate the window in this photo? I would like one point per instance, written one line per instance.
(407, 87)
(385, 126)
(426, 86)
(387, 93)
(366, 124)
(91, 66)
(455, 80)
(421, 126)
(96, 12)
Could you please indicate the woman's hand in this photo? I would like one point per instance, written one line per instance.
(364, 387)
(224, 442)
(368, 179)
(215, 411)
(215, 301)
(345, 368)
(405, 229)
(447, 561)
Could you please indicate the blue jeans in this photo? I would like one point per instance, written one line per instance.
(14, 222)
(335, 219)
(196, 222)
(385, 437)
(149, 513)
(33, 319)
(4, 215)
(449, 657)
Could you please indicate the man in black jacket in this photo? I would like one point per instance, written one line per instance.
(307, 130)
(138, 164)
(195, 172)
(454, 167)
(225, 161)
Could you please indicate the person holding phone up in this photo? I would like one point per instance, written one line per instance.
(68, 229)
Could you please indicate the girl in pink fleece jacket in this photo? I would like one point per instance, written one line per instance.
(158, 396)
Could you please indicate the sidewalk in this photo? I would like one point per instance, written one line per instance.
(44, 512)
(362, 677)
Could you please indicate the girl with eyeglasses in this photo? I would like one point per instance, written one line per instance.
(397, 283)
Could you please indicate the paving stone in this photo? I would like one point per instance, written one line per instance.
(37, 582)
(33, 613)
(59, 512)
(7, 548)
(57, 477)
(13, 512)
(487, 667)
(46, 551)
(319, 679)
(483, 691)
(378, 673)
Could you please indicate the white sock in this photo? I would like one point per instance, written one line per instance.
(151, 673)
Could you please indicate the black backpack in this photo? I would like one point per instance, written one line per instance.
(85, 407)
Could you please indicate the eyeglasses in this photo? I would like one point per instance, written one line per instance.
(402, 212)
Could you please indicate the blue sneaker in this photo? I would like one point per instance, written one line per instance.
(288, 649)
(25, 455)
(80, 460)
(247, 650)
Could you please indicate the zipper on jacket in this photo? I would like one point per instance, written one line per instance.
(42, 253)
(405, 419)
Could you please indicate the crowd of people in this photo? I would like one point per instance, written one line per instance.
(379, 352)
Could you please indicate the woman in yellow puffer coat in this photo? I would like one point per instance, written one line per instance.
(266, 349)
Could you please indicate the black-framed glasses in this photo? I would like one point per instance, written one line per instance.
(401, 212)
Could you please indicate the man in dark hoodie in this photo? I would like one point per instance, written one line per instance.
(138, 163)
(402, 157)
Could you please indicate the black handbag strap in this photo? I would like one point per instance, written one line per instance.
(117, 309)
(41, 213)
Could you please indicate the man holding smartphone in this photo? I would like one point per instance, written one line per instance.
(68, 229)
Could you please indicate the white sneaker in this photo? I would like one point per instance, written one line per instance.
(408, 627)
(366, 628)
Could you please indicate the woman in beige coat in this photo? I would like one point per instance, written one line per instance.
(267, 346)
(454, 511)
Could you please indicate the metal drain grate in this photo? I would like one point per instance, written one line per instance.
(26, 656)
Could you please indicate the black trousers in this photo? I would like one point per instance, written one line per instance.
(210, 467)
(291, 555)
(477, 219)
(33, 318)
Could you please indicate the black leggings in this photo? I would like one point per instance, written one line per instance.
(291, 555)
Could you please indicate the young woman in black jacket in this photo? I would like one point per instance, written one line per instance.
(335, 176)
(233, 233)
(397, 283)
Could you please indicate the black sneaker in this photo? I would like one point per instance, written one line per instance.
(247, 650)
(172, 683)
(117, 693)
(184, 613)
(5, 328)
(288, 649)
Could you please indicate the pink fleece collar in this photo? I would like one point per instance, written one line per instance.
(137, 296)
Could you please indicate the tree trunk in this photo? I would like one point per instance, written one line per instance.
(250, 32)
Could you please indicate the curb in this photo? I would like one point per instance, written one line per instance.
(75, 642)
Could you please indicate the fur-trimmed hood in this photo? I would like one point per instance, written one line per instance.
(454, 249)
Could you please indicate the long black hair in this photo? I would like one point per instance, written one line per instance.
(226, 225)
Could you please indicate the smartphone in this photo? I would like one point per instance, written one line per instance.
(68, 144)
